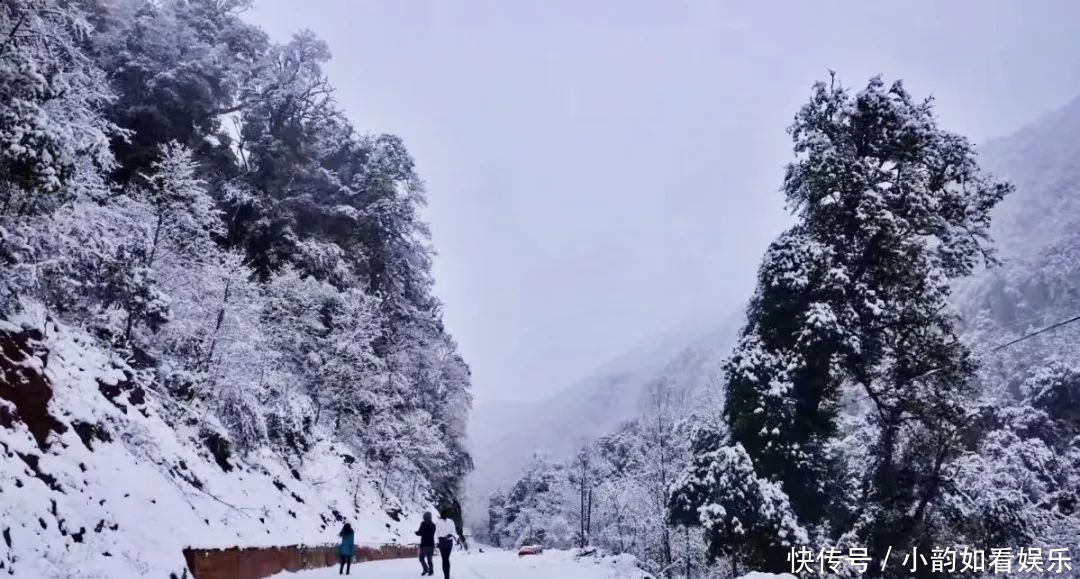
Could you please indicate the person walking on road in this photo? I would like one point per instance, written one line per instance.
(427, 544)
(345, 549)
(446, 544)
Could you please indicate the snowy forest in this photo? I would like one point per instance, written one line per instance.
(905, 381)
(187, 195)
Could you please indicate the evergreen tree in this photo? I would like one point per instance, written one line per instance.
(746, 519)
(185, 220)
(496, 513)
(852, 299)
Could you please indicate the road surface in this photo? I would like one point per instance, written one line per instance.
(489, 565)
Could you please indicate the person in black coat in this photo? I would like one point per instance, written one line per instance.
(446, 544)
(427, 544)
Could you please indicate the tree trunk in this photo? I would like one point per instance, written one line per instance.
(581, 514)
(588, 520)
(217, 326)
(687, 529)
(157, 238)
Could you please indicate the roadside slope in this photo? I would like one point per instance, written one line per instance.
(101, 478)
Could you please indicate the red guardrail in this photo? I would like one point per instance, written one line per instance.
(261, 562)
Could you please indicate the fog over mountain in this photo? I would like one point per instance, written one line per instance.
(1036, 232)
(505, 435)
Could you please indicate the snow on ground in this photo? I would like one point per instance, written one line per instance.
(123, 503)
(495, 564)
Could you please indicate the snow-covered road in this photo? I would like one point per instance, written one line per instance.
(491, 565)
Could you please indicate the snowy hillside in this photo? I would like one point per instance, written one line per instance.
(217, 309)
(1036, 231)
(111, 481)
(1042, 161)
(504, 435)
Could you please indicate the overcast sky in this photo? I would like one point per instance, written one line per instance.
(600, 172)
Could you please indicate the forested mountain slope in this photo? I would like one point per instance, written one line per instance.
(505, 435)
(217, 315)
(1036, 232)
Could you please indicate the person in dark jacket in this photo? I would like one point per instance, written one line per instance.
(427, 544)
(345, 549)
(446, 544)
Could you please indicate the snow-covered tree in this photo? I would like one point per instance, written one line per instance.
(179, 68)
(185, 219)
(745, 517)
(890, 209)
(496, 517)
(54, 139)
(180, 221)
(1016, 484)
(536, 509)
(616, 489)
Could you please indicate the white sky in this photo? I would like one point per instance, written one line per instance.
(602, 171)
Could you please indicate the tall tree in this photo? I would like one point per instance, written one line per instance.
(852, 301)
(581, 476)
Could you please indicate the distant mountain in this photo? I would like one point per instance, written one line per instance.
(505, 435)
(1043, 161)
(1036, 233)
